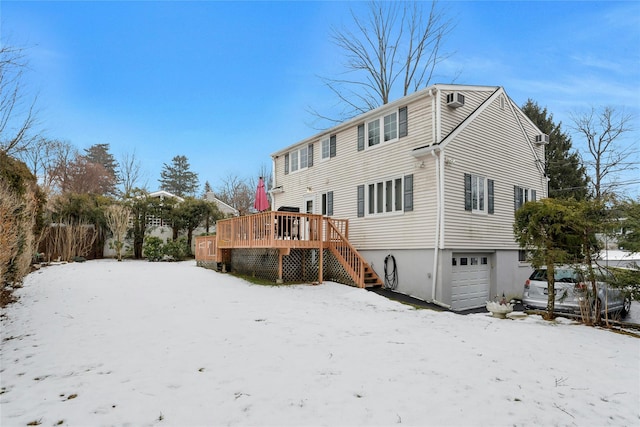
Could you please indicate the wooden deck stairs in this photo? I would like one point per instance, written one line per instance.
(285, 231)
(360, 271)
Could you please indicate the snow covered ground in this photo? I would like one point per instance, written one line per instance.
(171, 344)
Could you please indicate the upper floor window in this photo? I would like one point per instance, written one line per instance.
(383, 129)
(299, 159)
(478, 194)
(328, 147)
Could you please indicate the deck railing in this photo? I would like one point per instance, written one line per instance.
(284, 230)
(276, 230)
(349, 257)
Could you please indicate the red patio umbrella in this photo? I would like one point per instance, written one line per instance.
(261, 203)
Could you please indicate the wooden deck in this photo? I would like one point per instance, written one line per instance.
(286, 231)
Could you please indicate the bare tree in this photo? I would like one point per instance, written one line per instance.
(130, 172)
(396, 43)
(236, 192)
(117, 219)
(602, 131)
(17, 112)
(41, 158)
(65, 153)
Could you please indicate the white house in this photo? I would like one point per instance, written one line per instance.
(429, 184)
(157, 227)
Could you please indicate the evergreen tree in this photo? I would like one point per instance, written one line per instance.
(207, 189)
(177, 178)
(99, 154)
(567, 175)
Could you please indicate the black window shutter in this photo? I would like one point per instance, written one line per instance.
(286, 163)
(408, 193)
(533, 195)
(490, 196)
(330, 203)
(324, 203)
(403, 128)
(360, 200)
(332, 146)
(360, 137)
(516, 197)
(467, 192)
(310, 156)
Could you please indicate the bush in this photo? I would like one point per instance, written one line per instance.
(176, 250)
(21, 202)
(152, 248)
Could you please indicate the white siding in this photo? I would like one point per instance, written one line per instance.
(493, 146)
(349, 168)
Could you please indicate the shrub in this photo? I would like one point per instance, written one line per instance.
(152, 248)
(176, 250)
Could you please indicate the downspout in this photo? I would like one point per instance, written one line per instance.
(439, 162)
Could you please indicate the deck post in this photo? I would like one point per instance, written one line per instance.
(281, 252)
(320, 274)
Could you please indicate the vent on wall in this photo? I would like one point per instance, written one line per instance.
(542, 139)
(455, 99)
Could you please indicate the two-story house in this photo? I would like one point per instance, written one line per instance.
(429, 184)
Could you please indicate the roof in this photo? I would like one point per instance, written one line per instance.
(426, 92)
(163, 193)
(222, 206)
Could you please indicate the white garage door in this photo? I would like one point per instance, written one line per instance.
(470, 278)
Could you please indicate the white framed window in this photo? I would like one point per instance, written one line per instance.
(299, 159)
(373, 133)
(390, 127)
(325, 146)
(304, 157)
(387, 128)
(522, 195)
(384, 197)
(295, 165)
(479, 194)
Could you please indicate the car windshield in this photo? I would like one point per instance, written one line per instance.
(560, 275)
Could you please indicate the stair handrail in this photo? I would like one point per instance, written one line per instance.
(348, 256)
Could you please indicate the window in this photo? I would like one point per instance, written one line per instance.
(304, 157)
(521, 196)
(387, 196)
(478, 194)
(298, 159)
(463, 261)
(325, 148)
(327, 203)
(390, 127)
(383, 129)
(328, 147)
(522, 255)
(373, 132)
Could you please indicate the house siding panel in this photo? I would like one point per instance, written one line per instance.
(489, 137)
(350, 168)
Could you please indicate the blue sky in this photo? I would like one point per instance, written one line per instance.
(228, 83)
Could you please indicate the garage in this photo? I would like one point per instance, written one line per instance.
(470, 280)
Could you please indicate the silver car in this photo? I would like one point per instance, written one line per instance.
(571, 288)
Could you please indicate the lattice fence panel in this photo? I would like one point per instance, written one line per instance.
(262, 263)
(334, 271)
(301, 265)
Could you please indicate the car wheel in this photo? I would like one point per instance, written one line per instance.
(626, 307)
